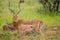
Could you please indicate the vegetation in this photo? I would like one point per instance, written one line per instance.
(30, 9)
(52, 5)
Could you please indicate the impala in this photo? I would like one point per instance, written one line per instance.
(24, 24)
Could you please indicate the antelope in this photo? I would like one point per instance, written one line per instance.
(24, 24)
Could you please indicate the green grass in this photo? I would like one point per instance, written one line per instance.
(51, 29)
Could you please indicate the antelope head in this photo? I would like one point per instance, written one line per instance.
(15, 15)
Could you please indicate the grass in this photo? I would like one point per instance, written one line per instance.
(51, 29)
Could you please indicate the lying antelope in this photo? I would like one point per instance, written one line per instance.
(24, 24)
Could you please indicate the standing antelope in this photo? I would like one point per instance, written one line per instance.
(24, 24)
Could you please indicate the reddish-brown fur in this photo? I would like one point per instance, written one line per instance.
(24, 24)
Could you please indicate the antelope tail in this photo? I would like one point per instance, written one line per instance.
(40, 24)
